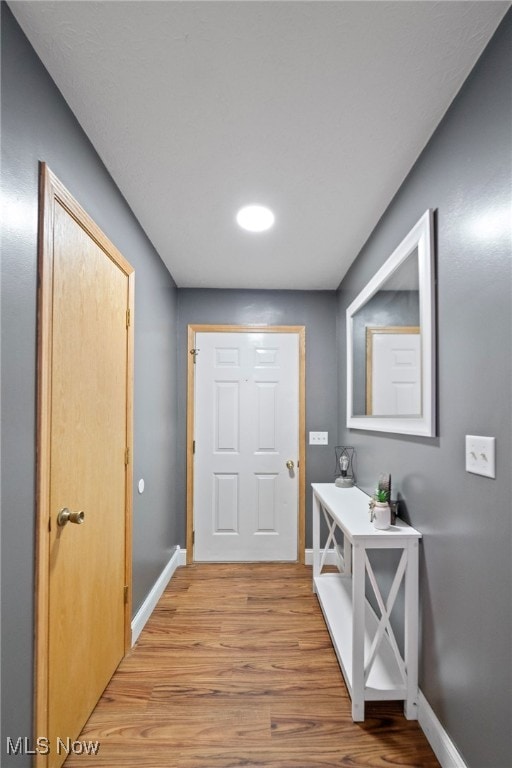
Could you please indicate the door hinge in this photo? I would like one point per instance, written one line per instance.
(127, 457)
(128, 318)
(125, 594)
(193, 446)
(194, 352)
(193, 537)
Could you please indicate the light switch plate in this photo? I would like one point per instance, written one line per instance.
(480, 455)
(318, 438)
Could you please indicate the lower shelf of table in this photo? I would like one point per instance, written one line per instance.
(385, 680)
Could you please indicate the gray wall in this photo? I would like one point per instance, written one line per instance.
(314, 309)
(465, 173)
(37, 125)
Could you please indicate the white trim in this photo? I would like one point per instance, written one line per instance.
(443, 747)
(182, 556)
(330, 557)
(139, 620)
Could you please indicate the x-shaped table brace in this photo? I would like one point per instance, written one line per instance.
(384, 626)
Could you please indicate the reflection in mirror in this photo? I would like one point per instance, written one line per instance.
(390, 342)
(393, 371)
(386, 342)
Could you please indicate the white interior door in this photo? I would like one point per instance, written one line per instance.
(246, 430)
(396, 374)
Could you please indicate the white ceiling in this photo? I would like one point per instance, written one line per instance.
(316, 109)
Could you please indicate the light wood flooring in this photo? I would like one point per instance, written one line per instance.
(235, 668)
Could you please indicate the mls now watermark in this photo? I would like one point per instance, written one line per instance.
(23, 745)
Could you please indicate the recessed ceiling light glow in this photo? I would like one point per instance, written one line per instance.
(255, 218)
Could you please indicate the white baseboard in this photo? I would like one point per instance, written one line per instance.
(329, 560)
(182, 560)
(443, 747)
(139, 620)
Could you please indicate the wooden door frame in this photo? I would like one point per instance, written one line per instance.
(52, 192)
(300, 331)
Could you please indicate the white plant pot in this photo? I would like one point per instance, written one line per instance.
(381, 516)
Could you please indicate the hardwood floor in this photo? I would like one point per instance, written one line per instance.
(235, 668)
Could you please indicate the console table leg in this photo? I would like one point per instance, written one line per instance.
(316, 539)
(358, 608)
(411, 631)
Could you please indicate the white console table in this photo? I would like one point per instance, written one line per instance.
(365, 644)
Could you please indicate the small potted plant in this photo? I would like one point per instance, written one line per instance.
(380, 509)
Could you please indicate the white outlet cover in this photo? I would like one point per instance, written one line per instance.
(140, 486)
(481, 455)
(318, 438)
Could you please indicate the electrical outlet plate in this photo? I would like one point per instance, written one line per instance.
(480, 455)
(318, 438)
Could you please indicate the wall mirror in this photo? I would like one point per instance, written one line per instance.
(391, 341)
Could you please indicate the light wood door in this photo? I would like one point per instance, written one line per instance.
(88, 437)
(246, 430)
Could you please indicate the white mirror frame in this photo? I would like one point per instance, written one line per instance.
(420, 237)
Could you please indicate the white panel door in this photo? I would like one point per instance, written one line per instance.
(246, 429)
(396, 374)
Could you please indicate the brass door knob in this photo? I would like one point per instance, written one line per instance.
(290, 464)
(65, 516)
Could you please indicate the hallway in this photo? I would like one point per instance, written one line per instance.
(235, 668)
